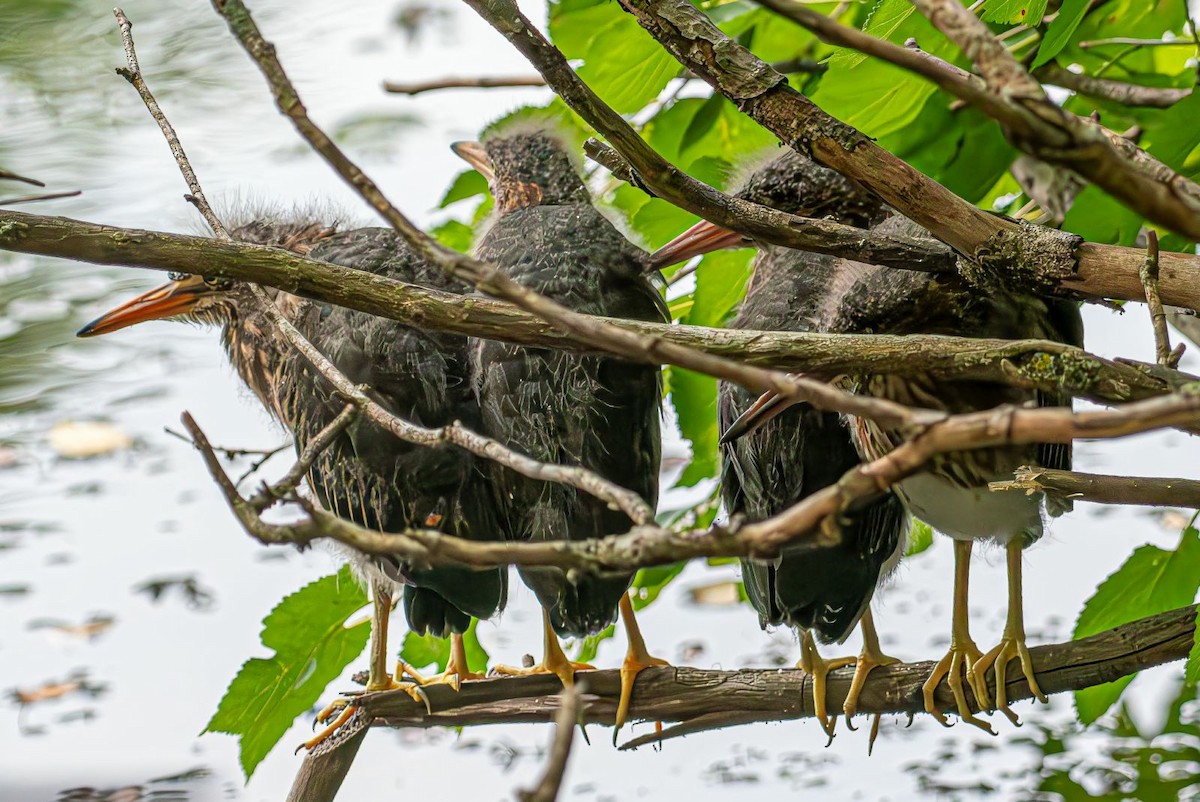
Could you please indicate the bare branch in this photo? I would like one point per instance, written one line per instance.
(560, 747)
(6, 175)
(1158, 318)
(1025, 363)
(613, 494)
(1094, 270)
(286, 485)
(1186, 324)
(1144, 491)
(134, 75)
(478, 82)
(690, 695)
(36, 198)
(1108, 89)
(812, 519)
(1043, 129)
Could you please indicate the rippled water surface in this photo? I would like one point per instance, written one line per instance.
(126, 578)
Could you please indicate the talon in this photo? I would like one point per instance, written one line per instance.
(457, 670)
(818, 668)
(871, 658)
(637, 658)
(554, 662)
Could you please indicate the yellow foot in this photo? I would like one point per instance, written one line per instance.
(341, 710)
(1009, 649)
(555, 660)
(863, 667)
(637, 657)
(564, 670)
(957, 664)
(630, 668)
(818, 668)
(456, 671)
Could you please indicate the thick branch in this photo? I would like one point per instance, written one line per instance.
(765, 97)
(1035, 364)
(1144, 491)
(758, 695)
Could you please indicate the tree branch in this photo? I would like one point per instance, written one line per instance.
(1127, 94)
(560, 747)
(1144, 491)
(478, 82)
(1002, 246)
(721, 698)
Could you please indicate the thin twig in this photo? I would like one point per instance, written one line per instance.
(35, 198)
(650, 545)
(594, 484)
(6, 175)
(269, 494)
(1158, 318)
(548, 786)
(1134, 42)
(479, 82)
(1186, 324)
(134, 75)
(1149, 491)
(1122, 92)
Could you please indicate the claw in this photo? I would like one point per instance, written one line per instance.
(871, 658)
(818, 668)
(554, 662)
(636, 659)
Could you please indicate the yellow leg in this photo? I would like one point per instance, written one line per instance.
(553, 662)
(456, 671)
(872, 656)
(377, 677)
(636, 658)
(1012, 644)
(818, 668)
(963, 653)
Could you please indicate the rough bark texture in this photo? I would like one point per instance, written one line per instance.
(1044, 365)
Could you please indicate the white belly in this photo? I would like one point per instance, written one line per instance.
(972, 513)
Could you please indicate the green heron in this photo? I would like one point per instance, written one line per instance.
(952, 493)
(367, 475)
(826, 591)
(599, 412)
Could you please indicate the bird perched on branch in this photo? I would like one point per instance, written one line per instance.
(824, 591)
(952, 493)
(598, 412)
(366, 475)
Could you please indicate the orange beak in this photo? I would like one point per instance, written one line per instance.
(474, 154)
(170, 299)
(702, 238)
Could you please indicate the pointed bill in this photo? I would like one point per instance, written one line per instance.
(167, 300)
(702, 238)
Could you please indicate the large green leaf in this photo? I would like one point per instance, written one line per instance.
(1060, 30)
(312, 644)
(1096, 217)
(720, 285)
(1151, 581)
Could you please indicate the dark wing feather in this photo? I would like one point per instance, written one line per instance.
(596, 411)
(371, 477)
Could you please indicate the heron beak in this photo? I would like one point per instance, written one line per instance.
(474, 154)
(170, 299)
(702, 238)
(769, 405)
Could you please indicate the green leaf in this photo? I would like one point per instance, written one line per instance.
(466, 184)
(720, 286)
(454, 234)
(1097, 217)
(1151, 581)
(1029, 12)
(421, 651)
(1060, 30)
(312, 644)
(920, 537)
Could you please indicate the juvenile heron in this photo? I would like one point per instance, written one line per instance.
(952, 493)
(826, 591)
(598, 412)
(367, 475)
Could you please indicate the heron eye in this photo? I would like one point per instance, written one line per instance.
(217, 283)
(177, 276)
